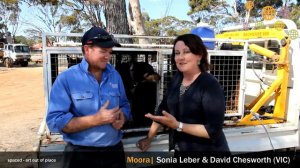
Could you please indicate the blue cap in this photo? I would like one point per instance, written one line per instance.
(100, 37)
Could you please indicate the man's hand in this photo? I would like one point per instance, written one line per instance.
(167, 119)
(106, 116)
(119, 122)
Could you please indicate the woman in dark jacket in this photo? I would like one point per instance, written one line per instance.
(194, 105)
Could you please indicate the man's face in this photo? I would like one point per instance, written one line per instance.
(97, 57)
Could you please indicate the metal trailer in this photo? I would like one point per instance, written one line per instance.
(276, 87)
(231, 67)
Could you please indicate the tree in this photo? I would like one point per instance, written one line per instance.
(214, 12)
(26, 40)
(259, 5)
(77, 13)
(115, 15)
(88, 11)
(168, 26)
(135, 19)
(85, 13)
(295, 12)
(220, 13)
(3, 29)
(201, 9)
(9, 12)
(49, 17)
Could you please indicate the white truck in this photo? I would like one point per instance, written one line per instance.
(262, 103)
(13, 54)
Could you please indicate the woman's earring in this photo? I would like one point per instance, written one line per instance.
(199, 62)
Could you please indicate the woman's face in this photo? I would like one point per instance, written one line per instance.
(185, 60)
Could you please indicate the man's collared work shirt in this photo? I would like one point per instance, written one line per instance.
(76, 93)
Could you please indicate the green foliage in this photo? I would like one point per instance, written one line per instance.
(43, 2)
(78, 15)
(295, 13)
(167, 26)
(88, 13)
(76, 29)
(220, 13)
(259, 5)
(10, 1)
(68, 16)
(200, 9)
(146, 16)
(69, 19)
(9, 12)
(25, 40)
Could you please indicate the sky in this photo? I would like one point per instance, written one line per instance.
(158, 8)
(155, 9)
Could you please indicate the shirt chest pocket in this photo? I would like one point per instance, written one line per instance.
(82, 96)
(83, 101)
(112, 97)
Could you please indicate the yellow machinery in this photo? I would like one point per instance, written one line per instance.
(278, 87)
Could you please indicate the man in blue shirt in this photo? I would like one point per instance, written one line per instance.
(88, 106)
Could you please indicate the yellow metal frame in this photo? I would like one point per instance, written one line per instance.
(278, 87)
(253, 34)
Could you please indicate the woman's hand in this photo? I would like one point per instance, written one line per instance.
(167, 119)
(144, 144)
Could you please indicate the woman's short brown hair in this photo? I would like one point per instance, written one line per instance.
(196, 46)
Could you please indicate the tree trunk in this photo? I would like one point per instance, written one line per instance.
(137, 20)
(116, 20)
(115, 15)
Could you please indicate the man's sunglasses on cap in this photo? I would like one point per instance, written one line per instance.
(101, 37)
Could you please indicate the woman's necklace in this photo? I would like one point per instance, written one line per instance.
(183, 89)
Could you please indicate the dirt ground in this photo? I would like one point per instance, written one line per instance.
(22, 107)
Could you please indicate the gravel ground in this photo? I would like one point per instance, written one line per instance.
(22, 107)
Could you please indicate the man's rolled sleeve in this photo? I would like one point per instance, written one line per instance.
(57, 123)
(126, 113)
(124, 103)
(125, 107)
(59, 113)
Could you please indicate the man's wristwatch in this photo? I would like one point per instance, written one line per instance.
(179, 129)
